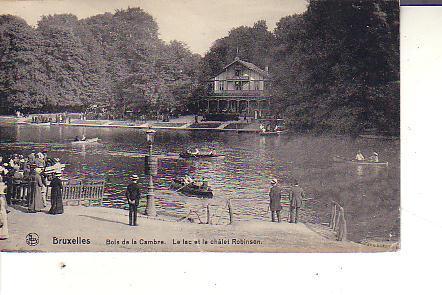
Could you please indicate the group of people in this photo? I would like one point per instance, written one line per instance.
(373, 158)
(58, 118)
(24, 178)
(296, 197)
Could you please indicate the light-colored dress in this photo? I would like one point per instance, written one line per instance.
(3, 215)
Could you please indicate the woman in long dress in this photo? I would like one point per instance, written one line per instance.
(56, 196)
(3, 214)
(35, 195)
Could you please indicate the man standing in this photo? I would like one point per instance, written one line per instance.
(296, 196)
(275, 200)
(133, 196)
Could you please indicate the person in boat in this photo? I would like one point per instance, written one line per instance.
(195, 152)
(187, 180)
(77, 138)
(262, 127)
(275, 200)
(359, 156)
(374, 157)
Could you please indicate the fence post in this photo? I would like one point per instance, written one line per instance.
(229, 204)
(208, 214)
(333, 216)
(342, 233)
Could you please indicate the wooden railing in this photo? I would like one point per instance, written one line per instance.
(76, 192)
(338, 223)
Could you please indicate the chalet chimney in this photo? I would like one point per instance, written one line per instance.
(267, 69)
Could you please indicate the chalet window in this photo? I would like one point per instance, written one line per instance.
(237, 73)
(256, 85)
(238, 86)
(221, 85)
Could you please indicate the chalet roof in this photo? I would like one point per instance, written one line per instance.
(248, 65)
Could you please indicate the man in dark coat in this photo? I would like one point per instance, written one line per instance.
(56, 195)
(296, 196)
(133, 196)
(275, 200)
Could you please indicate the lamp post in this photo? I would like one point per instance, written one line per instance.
(151, 170)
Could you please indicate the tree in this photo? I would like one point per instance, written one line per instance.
(21, 73)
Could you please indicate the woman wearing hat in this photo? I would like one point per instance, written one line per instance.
(56, 196)
(275, 200)
(35, 195)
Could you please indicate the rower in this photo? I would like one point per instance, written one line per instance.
(359, 156)
(374, 157)
(187, 180)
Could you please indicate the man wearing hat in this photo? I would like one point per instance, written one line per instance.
(275, 200)
(296, 196)
(133, 196)
(374, 157)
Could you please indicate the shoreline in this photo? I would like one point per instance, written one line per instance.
(156, 125)
(76, 230)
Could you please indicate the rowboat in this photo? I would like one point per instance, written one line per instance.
(187, 155)
(271, 133)
(372, 136)
(55, 168)
(191, 189)
(339, 159)
(86, 141)
(42, 124)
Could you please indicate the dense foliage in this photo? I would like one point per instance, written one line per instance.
(112, 61)
(335, 67)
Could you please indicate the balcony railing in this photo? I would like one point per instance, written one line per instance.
(239, 93)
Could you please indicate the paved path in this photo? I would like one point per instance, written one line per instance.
(105, 229)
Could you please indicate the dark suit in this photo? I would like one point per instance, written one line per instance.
(275, 202)
(133, 196)
(296, 196)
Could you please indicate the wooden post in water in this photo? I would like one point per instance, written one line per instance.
(229, 204)
(208, 214)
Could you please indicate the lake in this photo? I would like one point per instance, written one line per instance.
(370, 195)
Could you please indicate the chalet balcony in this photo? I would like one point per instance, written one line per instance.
(239, 93)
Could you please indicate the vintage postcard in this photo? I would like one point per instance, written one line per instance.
(188, 126)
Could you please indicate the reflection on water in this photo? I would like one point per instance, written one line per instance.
(370, 195)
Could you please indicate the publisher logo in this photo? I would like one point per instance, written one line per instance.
(32, 239)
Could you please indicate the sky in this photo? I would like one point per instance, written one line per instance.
(198, 23)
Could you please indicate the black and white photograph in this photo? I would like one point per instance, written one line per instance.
(200, 126)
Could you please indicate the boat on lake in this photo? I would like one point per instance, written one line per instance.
(271, 133)
(192, 189)
(187, 155)
(339, 159)
(86, 141)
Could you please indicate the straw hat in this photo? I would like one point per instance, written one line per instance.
(376, 154)
(274, 181)
(58, 173)
(134, 177)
